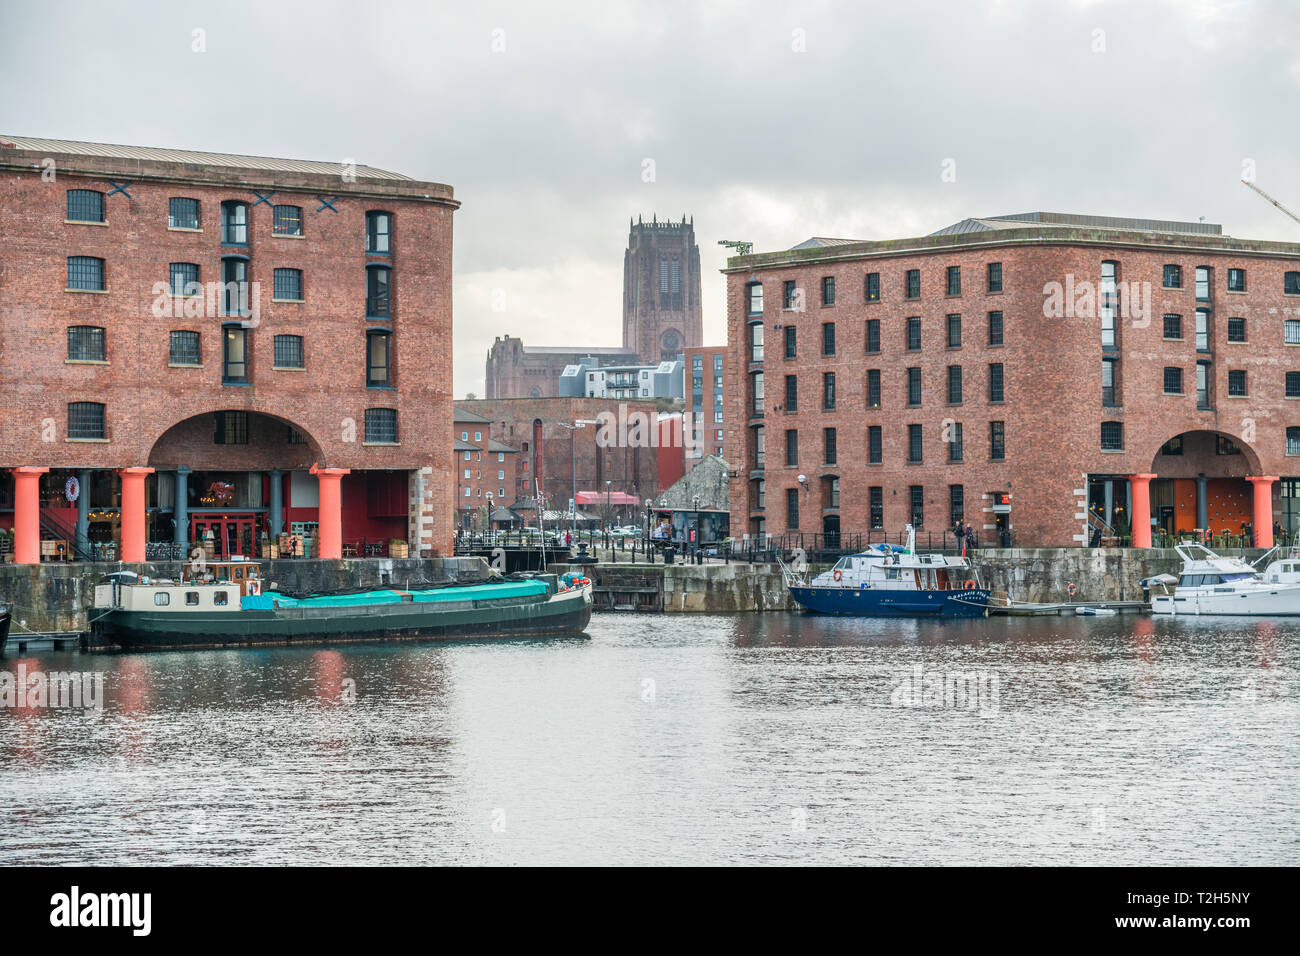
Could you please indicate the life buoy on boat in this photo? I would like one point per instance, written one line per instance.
(970, 585)
(839, 575)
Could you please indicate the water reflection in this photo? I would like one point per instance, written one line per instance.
(679, 739)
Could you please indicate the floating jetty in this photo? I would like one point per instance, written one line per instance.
(1099, 608)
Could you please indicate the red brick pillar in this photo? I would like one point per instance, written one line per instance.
(27, 514)
(133, 513)
(1141, 510)
(329, 517)
(1263, 520)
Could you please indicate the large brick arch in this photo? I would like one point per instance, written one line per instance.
(1199, 446)
(190, 442)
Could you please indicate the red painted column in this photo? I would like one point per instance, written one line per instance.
(27, 514)
(1141, 510)
(133, 513)
(329, 533)
(1263, 520)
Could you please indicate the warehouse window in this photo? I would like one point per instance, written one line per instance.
(1291, 283)
(1293, 440)
(792, 508)
(1293, 384)
(85, 205)
(875, 445)
(995, 382)
(997, 441)
(995, 328)
(288, 351)
(288, 285)
(872, 291)
(1173, 380)
(914, 283)
(828, 290)
(916, 497)
(184, 278)
(873, 335)
(1173, 326)
(381, 425)
(1236, 329)
(876, 507)
(914, 333)
(953, 437)
(913, 386)
(183, 348)
(755, 297)
(1236, 280)
(1173, 277)
(954, 280)
(995, 285)
(86, 420)
(954, 331)
(873, 388)
(914, 443)
(86, 273)
(1112, 436)
(182, 213)
(286, 220)
(86, 343)
(1236, 383)
(954, 384)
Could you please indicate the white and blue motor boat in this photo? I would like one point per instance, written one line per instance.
(887, 581)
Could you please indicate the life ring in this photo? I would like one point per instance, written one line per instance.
(839, 575)
(1071, 590)
(970, 585)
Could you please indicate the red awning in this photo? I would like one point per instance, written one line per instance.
(610, 498)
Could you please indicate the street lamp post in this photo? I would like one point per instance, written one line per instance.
(573, 465)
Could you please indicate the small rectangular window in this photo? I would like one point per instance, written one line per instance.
(1291, 283)
(954, 280)
(997, 441)
(914, 443)
(872, 293)
(791, 393)
(995, 277)
(1291, 331)
(995, 382)
(1112, 436)
(286, 220)
(873, 388)
(791, 342)
(875, 445)
(1236, 280)
(828, 290)
(288, 351)
(1293, 384)
(914, 333)
(755, 298)
(1202, 282)
(873, 335)
(1173, 277)
(1173, 381)
(182, 213)
(828, 390)
(1173, 326)
(828, 338)
(791, 297)
(914, 283)
(183, 348)
(954, 331)
(876, 499)
(86, 343)
(192, 598)
(913, 386)
(234, 223)
(1236, 329)
(185, 278)
(161, 599)
(954, 384)
(234, 355)
(1237, 383)
(220, 598)
(828, 443)
(792, 508)
(916, 499)
(995, 328)
(381, 425)
(954, 439)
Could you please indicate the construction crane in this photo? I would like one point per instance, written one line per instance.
(742, 248)
(1247, 182)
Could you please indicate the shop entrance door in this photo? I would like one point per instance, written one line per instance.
(232, 535)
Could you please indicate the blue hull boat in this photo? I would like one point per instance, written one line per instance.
(867, 602)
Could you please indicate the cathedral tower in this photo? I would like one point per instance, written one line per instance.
(661, 290)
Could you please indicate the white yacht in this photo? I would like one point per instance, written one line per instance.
(1212, 584)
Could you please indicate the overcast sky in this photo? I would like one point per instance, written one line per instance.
(769, 122)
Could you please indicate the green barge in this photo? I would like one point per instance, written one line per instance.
(133, 614)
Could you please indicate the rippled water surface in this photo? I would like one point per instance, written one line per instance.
(678, 739)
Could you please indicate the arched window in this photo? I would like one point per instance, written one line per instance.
(85, 205)
(234, 223)
(379, 232)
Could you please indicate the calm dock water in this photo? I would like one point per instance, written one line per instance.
(680, 739)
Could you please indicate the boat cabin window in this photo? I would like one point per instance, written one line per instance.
(843, 564)
(161, 598)
(192, 598)
(891, 574)
(219, 598)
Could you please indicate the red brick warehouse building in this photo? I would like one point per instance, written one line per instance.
(1061, 378)
(224, 346)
